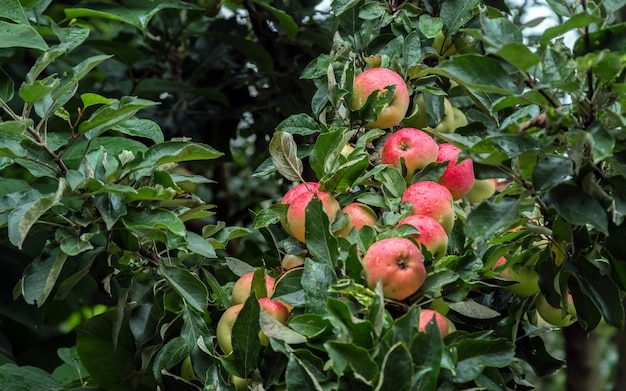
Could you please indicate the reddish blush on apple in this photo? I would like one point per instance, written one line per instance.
(427, 316)
(416, 147)
(359, 215)
(296, 213)
(378, 79)
(432, 236)
(292, 193)
(432, 199)
(398, 264)
(243, 287)
(458, 178)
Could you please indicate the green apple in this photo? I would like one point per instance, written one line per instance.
(378, 79)
(444, 45)
(559, 317)
(526, 278)
(439, 304)
(398, 264)
(240, 383)
(290, 261)
(186, 369)
(448, 122)
(481, 190)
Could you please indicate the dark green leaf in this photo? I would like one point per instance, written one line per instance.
(396, 371)
(474, 355)
(578, 208)
(320, 242)
(27, 378)
(343, 355)
(40, 276)
(156, 219)
(574, 22)
(173, 352)
(245, 337)
(6, 87)
(552, 171)
(108, 116)
(285, 20)
(316, 280)
(490, 216)
(187, 285)
(456, 13)
(301, 373)
(310, 325)
(301, 124)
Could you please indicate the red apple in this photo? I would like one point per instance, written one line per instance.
(458, 178)
(243, 286)
(432, 199)
(427, 316)
(398, 263)
(292, 193)
(560, 317)
(417, 148)
(359, 215)
(432, 235)
(526, 278)
(297, 208)
(378, 79)
(275, 308)
(481, 190)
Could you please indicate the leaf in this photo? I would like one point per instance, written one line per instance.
(187, 285)
(574, 22)
(316, 279)
(310, 325)
(479, 72)
(300, 124)
(302, 373)
(174, 152)
(552, 171)
(20, 35)
(199, 245)
(23, 217)
(194, 329)
(270, 215)
(285, 20)
(396, 371)
(473, 355)
(245, 337)
(472, 309)
(173, 352)
(577, 207)
(274, 329)
(338, 7)
(343, 355)
(320, 242)
(490, 216)
(283, 150)
(7, 86)
(155, 219)
(108, 116)
(41, 275)
(27, 378)
(455, 14)
(139, 127)
(519, 55)
(12, 10)
(18, 126)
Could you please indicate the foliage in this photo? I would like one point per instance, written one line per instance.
(112, 251)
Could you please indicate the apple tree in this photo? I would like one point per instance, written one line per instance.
(128, 269)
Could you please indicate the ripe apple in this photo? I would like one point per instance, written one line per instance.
(359, 215)
(243, 286)
(427, 316)
(526, 277)
(560, 317)
(275, 308)
(417, 148)
(432, 199)
(297, 208)
(398, 263)
(432, 235)
(292, 193)
(458, 178)
(378, 79)
(290, 261)
(481, 190)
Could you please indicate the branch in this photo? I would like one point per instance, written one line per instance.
(47, 149)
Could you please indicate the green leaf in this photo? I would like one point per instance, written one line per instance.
(155, 219)
(41, 275)
(343, 355)
(473, 355)
(430, 26)
(27, 378)
(173, 152)
(338, 7)
(7, 87)
(575, 22)
(199, 245)
(72, 243)
(310, 325)
(301, 124)
(111, 115)
(109, 363)
(283, 150)
(274, 329)
(348, 326)
(316, 280)
(195, 328)
(20, 35)
(489, 217)
(18, 126)
(519, 55)
(320, 242)
(456, 13)
(12, 10)
(173, 352)
(138, 13)
(288, 288)
(474, 310)
(285, 20)
(25, 216)
(326, 150)
(577, 207)
(302, 373)
(245, 337)
(552, 171)
(270, 215)
(479, 72)
(187, 285)
(396, 371)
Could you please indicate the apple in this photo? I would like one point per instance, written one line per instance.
(417, 148)
(559, 317)
(481, 190)
(432, 236)
(444, 45)
(458, 177)
(297, 208)
(526, 277)
(448, 122)
(359, 215)
(275, 308)
(378, 79)
(427, 316)
(439, 304)
(243, 286)
(290, 261)
(240, 383)
(432, 199)
(186, 369)
(292, 193)
(398, 263)
(417, 118)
